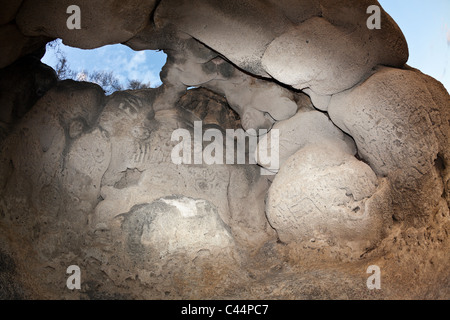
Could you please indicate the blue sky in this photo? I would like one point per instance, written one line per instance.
(426, 25)
(123, 61)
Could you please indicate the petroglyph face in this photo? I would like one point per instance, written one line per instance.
(129, 123)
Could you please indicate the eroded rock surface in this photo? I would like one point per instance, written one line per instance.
(105, 22)
(324, 195)
(363, 176)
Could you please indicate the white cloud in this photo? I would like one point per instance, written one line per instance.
(138, 68)
(145, 75)
(114, 61)
(153, 78)
(138, 59)
(125, 63)
(81, 76)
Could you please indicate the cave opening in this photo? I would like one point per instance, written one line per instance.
(93, 173)
(113, 67)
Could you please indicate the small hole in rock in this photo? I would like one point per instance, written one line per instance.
(113, 67)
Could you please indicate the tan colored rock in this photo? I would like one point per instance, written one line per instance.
(101, 169)
(141, 169)
(175, 225)
(14, 45)
(401, 133)
(35, 146)
(319, 101)
(249, 25)
(306, 128)
(387, 43)
(102, 23)
(287, 34)
(387, 115)
(211, 108)
(258, 102)
(88, 180)
(21, 85)
(302, 57)
(298, 11)
(322, 195)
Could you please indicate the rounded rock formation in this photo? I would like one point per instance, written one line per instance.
(359, 145)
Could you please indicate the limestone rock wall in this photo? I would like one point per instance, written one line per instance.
(89, 180)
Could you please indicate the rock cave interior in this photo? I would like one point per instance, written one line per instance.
(358, 172)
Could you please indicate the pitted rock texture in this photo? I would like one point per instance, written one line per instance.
(105, 22)
(362, 177)
(22, 84)
(211, 108)
(205, 230)
(324, 195)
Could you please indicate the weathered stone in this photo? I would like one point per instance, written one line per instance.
(390, 135)
(211, 108)
(175, 225)
(89, 180)
(102, 23)
(304, 129)
(259, 103)
(9, 10)
(12, 43)
(321, 194)
(248, 25)
(398, 138)
(21, 85)
(301, 58)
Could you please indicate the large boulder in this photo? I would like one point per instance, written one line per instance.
(306, 128)
(81, 169)
(387, 115)
(323, 195)
(327, 58)
(102, 23)
(21, 85)
(362, 143)
(249, 25)
(401, 133)
(290, 44)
